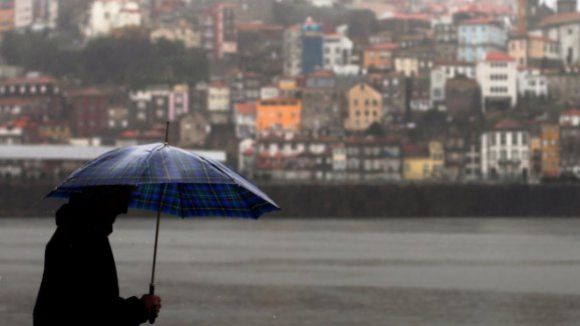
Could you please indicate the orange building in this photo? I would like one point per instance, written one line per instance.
(550, 140)
(6, 15)
(379, 56)
(280, 113)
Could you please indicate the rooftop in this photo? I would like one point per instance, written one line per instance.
(558, 19)
(498, 56)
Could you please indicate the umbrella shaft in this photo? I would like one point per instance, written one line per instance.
(152, 284)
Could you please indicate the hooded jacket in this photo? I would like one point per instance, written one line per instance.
(79, 285)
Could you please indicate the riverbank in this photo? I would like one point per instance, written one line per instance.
(22, 198)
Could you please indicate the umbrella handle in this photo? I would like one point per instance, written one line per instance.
(152, 292)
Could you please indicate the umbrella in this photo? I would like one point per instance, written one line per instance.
(173, 181)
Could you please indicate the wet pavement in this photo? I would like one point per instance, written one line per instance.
(327, 272)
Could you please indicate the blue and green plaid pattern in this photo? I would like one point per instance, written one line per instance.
(182, 183)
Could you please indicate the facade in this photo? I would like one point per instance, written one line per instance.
(564, 85)
(533, 51)
(36, 95)
(218, 103)
(570, 151)
(337, 51)
(278, 114)
(393, 89)
(497, 76)
(445, 37)
(564, 28)
(194, 129)
(7, 15)
(260, 48)
(312, 40)
(550, 148)
(454, 68)
(190, 37)
(462, 96)
(321, 103)
(89, 114)
(477, 37)
(245, 120)
(292, 51)
(379, 56)
(472, 166)
(438, 81)
(565, 6)
(364, 107)
(422, 164)
(23, 13)
(45, 14)
(106, 16)
(505, 152)
(219, 38)
(570, 118)
(532, 84)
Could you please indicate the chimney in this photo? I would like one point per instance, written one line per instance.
(522, 23)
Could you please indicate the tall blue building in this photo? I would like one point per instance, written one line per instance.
(476, 37)
(312, 39)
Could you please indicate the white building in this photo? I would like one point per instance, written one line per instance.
(531, 83)
(337, 51)
(45, 14)
(292, 51)
(322, 3)
(497, 76)
(107, 15)
(565, 28)
(438, 81)
(218, 103)
(505, 152)
(269, 91)
(570, 118)
(454, 68)
(23, 13)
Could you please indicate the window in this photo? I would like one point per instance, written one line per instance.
(502, 138)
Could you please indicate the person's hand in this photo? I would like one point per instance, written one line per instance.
(153, 305)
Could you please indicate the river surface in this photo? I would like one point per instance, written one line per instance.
(327, 272)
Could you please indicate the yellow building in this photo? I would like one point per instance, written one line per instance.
(531, 50)
(409, 66)
(365, 106)
(278, 113)
(420, 163)
(550, 148)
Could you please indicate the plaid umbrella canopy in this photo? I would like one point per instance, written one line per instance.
(173, 181)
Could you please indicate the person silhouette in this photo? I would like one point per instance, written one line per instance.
(79, 284)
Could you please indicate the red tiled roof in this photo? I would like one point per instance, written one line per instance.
(383, 46)
(498, 56)
(248, 151)
(508, 124)
(129, 134)
(542, 38)
(322, 73)
(246, 108)
(414, 16)
(29, 80)
(217, 84)
(572, 112)
(11, 101)
(563, 18)
(452, 62)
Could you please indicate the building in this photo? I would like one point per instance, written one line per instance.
(292, 51)
(454, 68)
(312, 40)
(564, 84)
(462, 97)
(337, 51)
(191, 38)
(23, 13)
(550, 148)
(260, 48)
(421, 163)
(532, 84)
(393, 88)
(194, 129)
(364, 107)
(534, 51)
(107, 15)
(219, 31)
(278, 114)
(567, 6)
(7, 15)
(321, 103)
(565, 29)
(570, 118)
(505, 152)
(218, 103)
(245, 120)
(472, 163)
(368, 159)
(45, 14)
(438, 81)
(379, 56)
(477, 37)
(497, 76)
(570, 150)
(445, 37)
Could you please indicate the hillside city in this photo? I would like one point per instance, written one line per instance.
(360, 91)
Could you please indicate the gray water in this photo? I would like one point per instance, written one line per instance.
(327, 272)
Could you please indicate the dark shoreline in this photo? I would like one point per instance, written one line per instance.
(23, 198)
